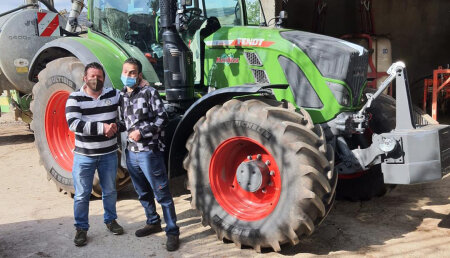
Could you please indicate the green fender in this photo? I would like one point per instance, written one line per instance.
(94, 48)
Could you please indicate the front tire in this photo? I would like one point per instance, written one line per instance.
(53, 140)
(296, 185)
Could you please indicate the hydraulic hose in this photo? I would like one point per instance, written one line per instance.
(44, 2)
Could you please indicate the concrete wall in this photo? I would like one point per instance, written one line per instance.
(419, 30)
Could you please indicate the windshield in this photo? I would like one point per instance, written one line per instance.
(136, 21)
(131, 21)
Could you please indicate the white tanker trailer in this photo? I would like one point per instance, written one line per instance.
(21, 36)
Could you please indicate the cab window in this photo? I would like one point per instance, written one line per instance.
(227, 11)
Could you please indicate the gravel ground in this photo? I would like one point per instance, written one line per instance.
(36, 220)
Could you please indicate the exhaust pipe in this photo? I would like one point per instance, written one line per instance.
(178, 61)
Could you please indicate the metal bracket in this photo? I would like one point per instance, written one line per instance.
(372, 155)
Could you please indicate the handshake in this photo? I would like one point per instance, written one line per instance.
(109, 130)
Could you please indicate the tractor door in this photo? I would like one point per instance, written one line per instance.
(204, 18)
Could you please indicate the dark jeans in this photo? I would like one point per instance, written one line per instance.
(148, 173)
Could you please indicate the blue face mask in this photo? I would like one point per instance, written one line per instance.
(128, 81)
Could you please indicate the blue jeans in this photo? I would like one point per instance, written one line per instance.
(83, 174)
(149, 177)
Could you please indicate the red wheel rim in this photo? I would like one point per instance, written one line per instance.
(60, 140)
(244, 205)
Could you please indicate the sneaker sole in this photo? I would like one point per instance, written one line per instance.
(115, 233)
(148, 234)
(81, 244)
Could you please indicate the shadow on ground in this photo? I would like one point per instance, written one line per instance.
(16, 139)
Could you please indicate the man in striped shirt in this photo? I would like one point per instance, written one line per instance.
(91, 114)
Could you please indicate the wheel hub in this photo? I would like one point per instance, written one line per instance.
(253, 175)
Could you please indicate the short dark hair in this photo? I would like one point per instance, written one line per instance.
(134, 61)
(94, 65)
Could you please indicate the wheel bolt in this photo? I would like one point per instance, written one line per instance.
(264, 190)
(259, 156)
(268, 163)
(249, 157)
(272, 173)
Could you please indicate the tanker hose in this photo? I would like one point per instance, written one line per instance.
(49, 6)
(18, 8)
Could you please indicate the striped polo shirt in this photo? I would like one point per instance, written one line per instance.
(85, 117)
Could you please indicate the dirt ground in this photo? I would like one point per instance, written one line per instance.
(36, 220)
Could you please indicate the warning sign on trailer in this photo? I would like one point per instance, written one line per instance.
(48, 24)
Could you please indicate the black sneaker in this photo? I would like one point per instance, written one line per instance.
(115, 228)
(173, 242)
(80, 237)
(148, 229)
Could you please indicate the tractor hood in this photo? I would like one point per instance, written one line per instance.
(326, 75)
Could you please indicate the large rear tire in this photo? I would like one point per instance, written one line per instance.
(295, 165)
(365, 185)
(53, 139)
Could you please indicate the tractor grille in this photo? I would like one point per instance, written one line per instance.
(357, 74)
(260, 76)
(253, 59)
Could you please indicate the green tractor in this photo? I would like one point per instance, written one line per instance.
(263, 120)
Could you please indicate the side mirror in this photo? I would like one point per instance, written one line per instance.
(283, 15)
(281, 21)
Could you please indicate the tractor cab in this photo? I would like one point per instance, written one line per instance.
(137, 22)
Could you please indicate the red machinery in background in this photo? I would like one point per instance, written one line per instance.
(380, 51)
(439, 89)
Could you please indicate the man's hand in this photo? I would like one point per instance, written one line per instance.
(109, 129)
(135, 135)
